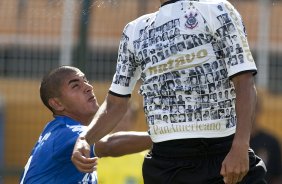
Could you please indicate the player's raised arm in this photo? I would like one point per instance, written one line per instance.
(107, 117)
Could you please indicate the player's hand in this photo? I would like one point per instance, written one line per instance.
(81, 156)
(235, 165)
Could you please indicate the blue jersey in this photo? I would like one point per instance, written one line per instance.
(50, 159)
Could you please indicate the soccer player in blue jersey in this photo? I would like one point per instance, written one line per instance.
(70, 97)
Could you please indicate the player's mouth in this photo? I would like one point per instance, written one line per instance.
(92, 99)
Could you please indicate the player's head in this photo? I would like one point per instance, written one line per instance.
(66, 91)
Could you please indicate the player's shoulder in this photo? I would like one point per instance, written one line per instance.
(215, 2)
(64, 123)
(141, 21)
(72, 125)
(217, 6)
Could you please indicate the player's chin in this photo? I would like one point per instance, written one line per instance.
(94, 106)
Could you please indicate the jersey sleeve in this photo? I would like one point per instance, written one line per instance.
(127, 68)
(231, 33)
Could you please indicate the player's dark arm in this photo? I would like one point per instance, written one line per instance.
(122, 143)
(236, 164)
(246, 97)
(107, 117)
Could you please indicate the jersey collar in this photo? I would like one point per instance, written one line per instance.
(173, 1)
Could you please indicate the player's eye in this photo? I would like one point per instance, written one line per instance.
(75, 85)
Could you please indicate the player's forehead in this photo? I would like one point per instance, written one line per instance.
(73, 76)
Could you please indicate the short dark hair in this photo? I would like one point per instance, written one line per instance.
(51, 83)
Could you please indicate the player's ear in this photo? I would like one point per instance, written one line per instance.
(56, 104)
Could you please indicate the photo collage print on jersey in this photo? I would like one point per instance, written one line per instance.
(197, 93)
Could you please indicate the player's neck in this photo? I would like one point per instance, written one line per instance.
(84, 120)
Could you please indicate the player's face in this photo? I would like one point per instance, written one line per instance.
(77, 98)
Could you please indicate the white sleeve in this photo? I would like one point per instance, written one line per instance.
(127, 69)
(232, 33)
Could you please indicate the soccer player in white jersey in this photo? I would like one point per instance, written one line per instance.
(198, 150)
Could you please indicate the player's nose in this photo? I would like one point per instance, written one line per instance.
(87, 87)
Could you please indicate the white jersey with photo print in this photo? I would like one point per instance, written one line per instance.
(185, 54)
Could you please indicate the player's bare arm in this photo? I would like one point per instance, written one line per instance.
(121, 143)
(110, 113)
(236, 164)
